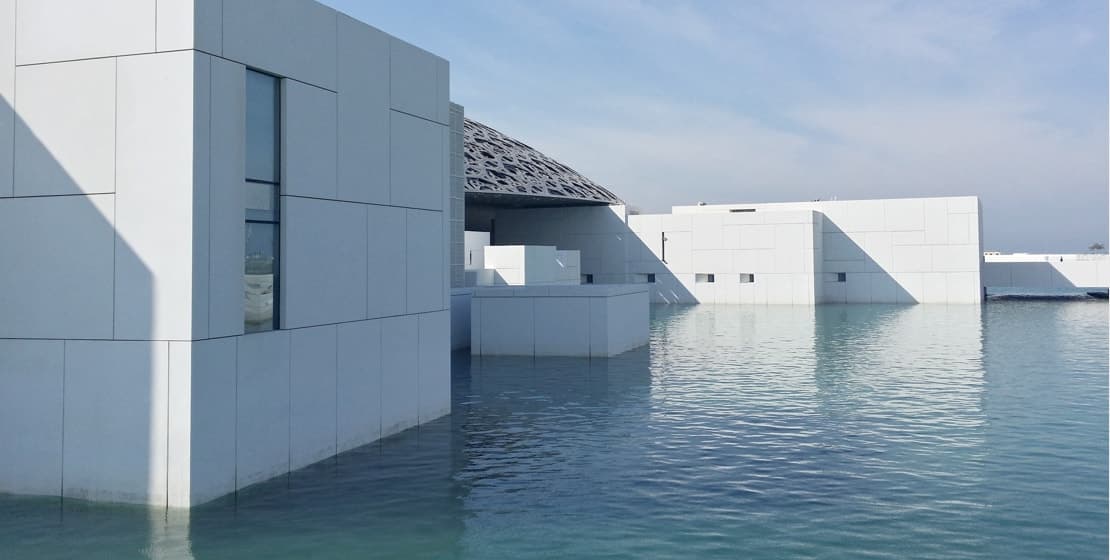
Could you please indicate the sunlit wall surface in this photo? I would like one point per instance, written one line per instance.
(177, 175)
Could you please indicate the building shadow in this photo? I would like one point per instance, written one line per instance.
(85, 394)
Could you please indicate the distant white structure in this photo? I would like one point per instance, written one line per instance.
(224, 242)
(923, 250)
(1049, 272)
(531, 265)
(595, 321)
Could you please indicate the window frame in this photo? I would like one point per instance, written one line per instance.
(259, 216)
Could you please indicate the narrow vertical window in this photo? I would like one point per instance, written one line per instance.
(263, 164)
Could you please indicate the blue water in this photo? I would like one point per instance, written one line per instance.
(742, 432)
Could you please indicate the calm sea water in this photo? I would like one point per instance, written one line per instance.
(742, 432)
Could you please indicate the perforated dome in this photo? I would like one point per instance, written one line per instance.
(499, 166)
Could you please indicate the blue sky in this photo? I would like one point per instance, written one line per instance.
(670, 103)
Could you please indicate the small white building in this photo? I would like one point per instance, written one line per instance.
(223, 233)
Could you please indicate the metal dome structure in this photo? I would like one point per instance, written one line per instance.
(501, 171)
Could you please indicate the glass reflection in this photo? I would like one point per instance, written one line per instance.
(259, 276)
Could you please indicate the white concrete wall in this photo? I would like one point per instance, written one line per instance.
(126, 282)
(1046, 272)
(584, 321)
(778, 249)
(913, 250)
(890, 251)
(527, 265)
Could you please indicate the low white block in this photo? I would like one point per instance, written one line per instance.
(553, 317)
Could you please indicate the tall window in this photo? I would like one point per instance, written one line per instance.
(263, 163)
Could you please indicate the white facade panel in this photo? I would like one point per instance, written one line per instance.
(425, 268)
(210, 416)
(57, 255)
(434, 391)
(400, 373)
(308, 150)
(414, 81)
(312, 433)
(553, 338)
(290, 38)
(359, 383)
(936, 221)
(65, 135)
(363, 105)
(387, 261)
(91, 29)
(904, 214)
(7, 94)
(190, 24)
(934, 287)
(504, 325)
(323, 262)
(115, 449)
(417, 172)
(155, 200)
(262, 407)
(227, 168)
(31, 416)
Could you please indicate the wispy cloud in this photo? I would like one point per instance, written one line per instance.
(673, 102)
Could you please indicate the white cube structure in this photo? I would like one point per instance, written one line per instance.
(594, 321)
(126, 371)
(528, 265)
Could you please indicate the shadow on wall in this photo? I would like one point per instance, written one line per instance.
(604, 240)
(859, 277)
(84, 394)
(1038, 276)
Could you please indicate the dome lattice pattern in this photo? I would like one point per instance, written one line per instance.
(497, 164)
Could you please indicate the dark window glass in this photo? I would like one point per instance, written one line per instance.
(263, 241)
(587, 278)
(263, 127)
(841, 276)
(260, 277)
(651, 278)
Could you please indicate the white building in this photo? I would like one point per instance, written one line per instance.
(913, 250)
(224, 241)
(868, 251)
(1046, 272)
